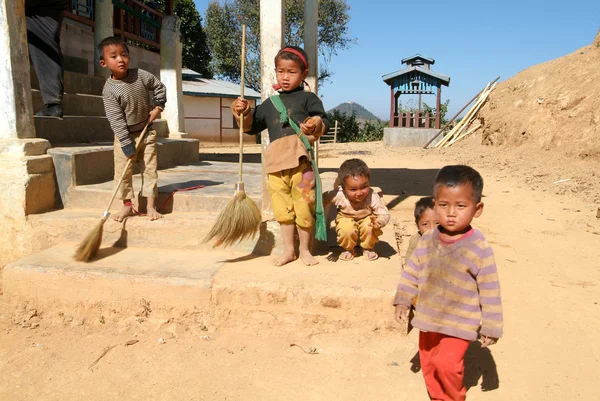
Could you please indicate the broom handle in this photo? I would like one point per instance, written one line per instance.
(242, 96)
(114, 195)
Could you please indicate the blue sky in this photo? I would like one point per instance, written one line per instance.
(471, 41)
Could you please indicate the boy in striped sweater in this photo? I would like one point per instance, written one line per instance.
(128, 109)
(453, 272)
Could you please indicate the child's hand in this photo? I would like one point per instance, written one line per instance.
(311, 139)
(307, 127)
(241, 106)
(374, 222)
(487, 341)
(154, 113)
(401, 314)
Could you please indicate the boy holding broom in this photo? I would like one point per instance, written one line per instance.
(291, 175)
(128, 110)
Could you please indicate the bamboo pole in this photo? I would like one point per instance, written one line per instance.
(466, 121)
(457, 114)
(458, 138)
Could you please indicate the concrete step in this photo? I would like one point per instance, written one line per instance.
(218, 178)
(83, 129)
(74, 104)
(80, 164)
(75, 82)
(184, 231)
(227, 290)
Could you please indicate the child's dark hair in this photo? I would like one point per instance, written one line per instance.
(353, 168)
(111, 40)
(423, 204)
(293, 53)
(452, 176)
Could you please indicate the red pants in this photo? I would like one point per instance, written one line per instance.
(442, 363)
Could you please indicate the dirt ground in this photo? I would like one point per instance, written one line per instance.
(545, 233)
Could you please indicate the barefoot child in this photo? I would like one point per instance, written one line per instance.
(128, 109)
(361, 213)
(291, 175)
(425, 218)
(454, 274)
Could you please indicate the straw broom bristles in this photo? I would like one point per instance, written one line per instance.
(239, 220)
(88, 248)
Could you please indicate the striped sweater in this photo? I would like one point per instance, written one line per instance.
(127, 104)
(457, 285)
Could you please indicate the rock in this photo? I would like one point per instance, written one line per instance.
(161, 340)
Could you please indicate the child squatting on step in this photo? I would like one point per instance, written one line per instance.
(290, 173)
(128, 109)
(453, 272)
(361, 213)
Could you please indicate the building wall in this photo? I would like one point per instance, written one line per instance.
(77, 45)
(209, 119)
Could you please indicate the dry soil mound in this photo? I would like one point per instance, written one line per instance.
(554, 105)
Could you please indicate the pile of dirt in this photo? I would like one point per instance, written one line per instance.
(554, 105)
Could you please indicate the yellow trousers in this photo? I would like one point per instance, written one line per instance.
(147, 163)
(293, 195)
(350, 232)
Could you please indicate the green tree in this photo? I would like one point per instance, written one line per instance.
(443, 110)
(195, 53)
(350, 130)
(223, 26)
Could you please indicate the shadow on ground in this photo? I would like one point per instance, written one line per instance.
(399, 183)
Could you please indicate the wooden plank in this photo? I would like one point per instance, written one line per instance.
(140, 39)
(80, 19)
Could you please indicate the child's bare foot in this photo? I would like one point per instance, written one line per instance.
(287, 257)
(151, 209)
(370, 255)
(126, 211)
(153, 214)
(347, 255)
(307, 258)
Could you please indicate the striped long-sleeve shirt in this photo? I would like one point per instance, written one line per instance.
(457, 285)
(127, 104)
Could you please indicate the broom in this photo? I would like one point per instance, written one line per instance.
(88, 248)
(241, 217)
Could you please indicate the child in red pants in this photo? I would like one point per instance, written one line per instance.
(453, 272)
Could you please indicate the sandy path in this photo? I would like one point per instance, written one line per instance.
(546, 246)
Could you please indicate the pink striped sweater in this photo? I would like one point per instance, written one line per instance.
(457, 285)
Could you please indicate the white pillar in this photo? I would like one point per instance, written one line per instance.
(26, 173)
(103, 28)
(311, 41)
(311, 47)
(16, 115)
(170, 74)
(271, 41)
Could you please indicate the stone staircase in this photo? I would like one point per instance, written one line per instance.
(165, 264)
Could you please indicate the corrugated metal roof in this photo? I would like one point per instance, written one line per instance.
(194, 85)
(444, 78)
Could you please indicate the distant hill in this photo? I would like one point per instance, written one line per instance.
(348, 108)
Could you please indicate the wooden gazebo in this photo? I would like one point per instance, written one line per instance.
(416, 79)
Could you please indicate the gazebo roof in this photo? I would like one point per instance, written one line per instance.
(418, 57)
(444, 79)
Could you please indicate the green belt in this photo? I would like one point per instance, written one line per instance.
(321, 225)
